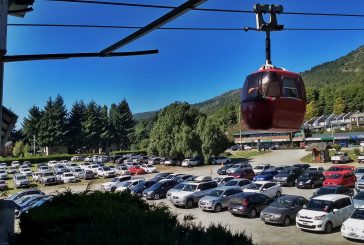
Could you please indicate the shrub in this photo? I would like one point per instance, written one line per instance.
(337, 147)
(115, 218)
(128, 152)
(356, 152)
(37, 159)
(226, 154)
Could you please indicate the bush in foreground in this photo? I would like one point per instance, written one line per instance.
(115, 218)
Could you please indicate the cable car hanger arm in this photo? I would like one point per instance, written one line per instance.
(32, 57)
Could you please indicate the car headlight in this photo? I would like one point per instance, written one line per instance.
(284, 178)
(320, 217)
(342, 227)
(308, 181)
(277, 216)
(298, 215)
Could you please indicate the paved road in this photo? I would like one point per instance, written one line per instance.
(260, 232)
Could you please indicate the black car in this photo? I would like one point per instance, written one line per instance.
(181, 178)
(160, 176)
(304, 166)
(159, 189)
(222, 170)
(283, 210)
(310, 180)
(333, 189)
(288, 176)
(248, 204)
(140, 187)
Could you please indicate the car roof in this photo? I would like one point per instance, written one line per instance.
(224, 188)
(332, 186)
(291, 197)
(330, 197)
(263, 182)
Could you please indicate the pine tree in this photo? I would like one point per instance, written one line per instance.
(339, 106)
(31, 124)
(76, 117)
(91, 126)
(106, 132)
(311, 110)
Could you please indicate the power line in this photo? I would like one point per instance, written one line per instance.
(204, 9)
(178, 28)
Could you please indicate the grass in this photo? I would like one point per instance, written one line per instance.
(308, 157)
(246, 154)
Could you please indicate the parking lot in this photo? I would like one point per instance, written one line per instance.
(260, 232)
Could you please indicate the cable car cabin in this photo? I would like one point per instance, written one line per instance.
(274, 100)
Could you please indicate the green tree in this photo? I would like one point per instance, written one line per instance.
(311, 110)
(106, 133)
(31, 124)
(18, 149)
(92, 125)
(76, 117)
(339, 106)
(141, 134)
(26, 150)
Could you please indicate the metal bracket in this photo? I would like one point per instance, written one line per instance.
(273, 10)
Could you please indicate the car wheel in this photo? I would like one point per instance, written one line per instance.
(253, 213)
(156, 196)
(328, 227)
(218, 208)
(286, 221)
(278, 194)
(189, 203)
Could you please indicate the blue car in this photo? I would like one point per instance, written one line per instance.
(266, 175)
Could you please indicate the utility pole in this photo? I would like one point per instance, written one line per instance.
(3, 31)
(33, 145)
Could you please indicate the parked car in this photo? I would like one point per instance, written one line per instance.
(159, 189)
(353, 228)
(36, 176)
(28, 163)
(222, 179)
(304, 166)
(182, 178)
(93, 168)
(48, 178)
(288, 176)
(283, 210)
(261, 167)
(20, 180)
(149, 168)
(122, 170)
(15, 164)
(70, 165)
(115, 183)
(76, 171)
(222, 170)
(241, 183)
(359, 172)
(220, 160)
(246, 173)
(345, 178)
(160, 176)
(3, 165)
(26, 204)
(338, 189)
(359, 185)
(33, 204)
(84, 165)
(171, 161)
(219, 198)
(77, 158)
(19, 194)
(340, 157)
(359, 200)
(247, 147)
(192, 193)
(86, 174)
(105, 172)
(323, 213)
(154, 160)
(138, 189)
(25, 170)
(126, 185)
(338, 169)
(237, 166)
(310, 179)
(3, 175)
(52, 164)
(3, 185)
(135, 170)
(280, 168)
(189, 162)
(315, 169)
(248, 204)
(176, 188)
(361, 158)
(12, 170)
(266, 175)
(42, 168)
(68, 178)
(268, 188)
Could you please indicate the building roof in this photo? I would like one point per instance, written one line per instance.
(318, 146)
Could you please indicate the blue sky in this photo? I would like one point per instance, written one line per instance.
(191, 66)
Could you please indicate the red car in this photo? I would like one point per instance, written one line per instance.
(338, 170)
(136, 170)
(345, 178)
(243, 173)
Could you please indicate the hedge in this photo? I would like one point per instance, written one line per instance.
(37, 159)
(115, 218)
(128, 152)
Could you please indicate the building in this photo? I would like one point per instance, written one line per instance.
(55, 150)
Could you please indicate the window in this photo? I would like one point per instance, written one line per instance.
(301, 202)
(271, 84)
(251, 88)
(290, 88)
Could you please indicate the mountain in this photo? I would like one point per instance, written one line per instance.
(342, 77)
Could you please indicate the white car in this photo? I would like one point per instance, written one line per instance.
(246, 147)
(93, 168)
(52, 164)
(268, 188)
(149, 168)
(122, 170)
(15, 164)
(3, 165)
(128, 184)
(340, 157)
(76, 171)
(84, 165)
(43, 169)
(261, 167)
(70, 165)
(68, 178)
(115, 183)
(353, 227)
(25, 170)
(238, 166)
(189, 162)
(323, 213)
(222, 179)
(221, 160)
(105, 172)
(3, 175)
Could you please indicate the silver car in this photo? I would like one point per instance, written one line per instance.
(175, 189)
(219, 198)
(359, 172)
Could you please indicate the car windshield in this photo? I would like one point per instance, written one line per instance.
(307, 174)
(231, 183)
(259, 167)
(149, 166)
(318, 205)
(236, 166)
(190, 187)
(334, 169)
(21, 177)
(77, 170)
(282, 203)
(106, 168)
(358, 214)
(216, 193)
(287, 171)
(2, 171)
(335, 176)
(217, 179)
(68, 175)
(280, 167)
(179, 186)
(359, 196)
(359, 171)
(126, 183)
(265, 172)
(325, 191)
(254, 186)
(47, 174)
(140, 184)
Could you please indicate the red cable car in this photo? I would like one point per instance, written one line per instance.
(272, 99)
